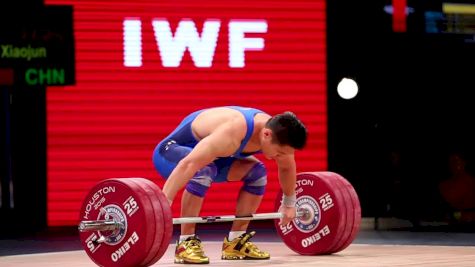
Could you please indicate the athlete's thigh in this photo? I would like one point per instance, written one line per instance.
(241, 167)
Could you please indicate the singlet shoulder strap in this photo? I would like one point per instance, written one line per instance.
(249, 114)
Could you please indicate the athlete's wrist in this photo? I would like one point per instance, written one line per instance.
(289, 201)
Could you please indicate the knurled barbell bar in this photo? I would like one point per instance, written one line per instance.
(128, 222)
(111, 225)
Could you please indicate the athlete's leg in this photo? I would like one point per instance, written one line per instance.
(253, 174)
(166, 157)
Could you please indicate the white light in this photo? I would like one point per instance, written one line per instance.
(347, 88)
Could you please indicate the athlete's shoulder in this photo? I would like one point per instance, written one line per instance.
(246, 109)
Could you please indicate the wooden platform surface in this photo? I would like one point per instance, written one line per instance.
(354, 256)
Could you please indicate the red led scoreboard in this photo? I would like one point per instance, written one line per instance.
(141, 66)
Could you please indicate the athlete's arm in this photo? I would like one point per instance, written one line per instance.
(287, 177)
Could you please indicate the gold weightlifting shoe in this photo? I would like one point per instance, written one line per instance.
(190, 251)
(241, 249)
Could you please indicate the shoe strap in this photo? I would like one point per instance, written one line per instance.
(246, 237)
(191, 238)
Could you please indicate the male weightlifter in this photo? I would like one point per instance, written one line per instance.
(217, 145)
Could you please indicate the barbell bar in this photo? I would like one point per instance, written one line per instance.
(111, 225)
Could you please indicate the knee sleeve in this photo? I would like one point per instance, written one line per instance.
(255, 180)
(200, 183)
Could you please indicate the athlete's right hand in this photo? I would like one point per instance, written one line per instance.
(289, 213)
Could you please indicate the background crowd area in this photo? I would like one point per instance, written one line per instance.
(429, 189)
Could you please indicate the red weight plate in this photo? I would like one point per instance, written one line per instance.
(322, 230)
(338, 184)
(167, 220)
(158, 223)
(342, 227)
(150, 225)
(356, 215)
(116, 199)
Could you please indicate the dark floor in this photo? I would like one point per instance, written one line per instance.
(65, 239)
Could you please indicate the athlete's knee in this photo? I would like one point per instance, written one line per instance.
(255, 180)
(201, 181)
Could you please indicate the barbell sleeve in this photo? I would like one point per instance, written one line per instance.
(101, 225)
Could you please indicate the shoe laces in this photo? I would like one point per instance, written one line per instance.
(194, 243)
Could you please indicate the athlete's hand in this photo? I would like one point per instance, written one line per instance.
(289, 214)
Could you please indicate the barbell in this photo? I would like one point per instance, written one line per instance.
(128, 221)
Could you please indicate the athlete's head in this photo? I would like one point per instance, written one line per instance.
(282, 134)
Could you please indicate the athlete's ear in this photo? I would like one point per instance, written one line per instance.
(267, 133)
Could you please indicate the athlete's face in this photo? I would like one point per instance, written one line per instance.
(273, 150)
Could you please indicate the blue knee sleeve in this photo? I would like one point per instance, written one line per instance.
(255, 180)
(199, 184)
